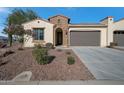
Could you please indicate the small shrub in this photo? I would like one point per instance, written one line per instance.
(68, 52)
(37, 45)
(50, 58)
(49, 45)
(40, 55)
(40, 51)
(71, 60)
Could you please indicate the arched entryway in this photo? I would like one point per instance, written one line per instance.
(58, 36)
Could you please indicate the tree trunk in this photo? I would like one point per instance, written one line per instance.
(10, 40)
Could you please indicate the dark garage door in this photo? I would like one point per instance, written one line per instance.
(119, 38)
(85, 38)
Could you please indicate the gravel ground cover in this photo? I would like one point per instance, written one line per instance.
(58, 69)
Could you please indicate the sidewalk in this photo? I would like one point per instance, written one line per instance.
(78, 82)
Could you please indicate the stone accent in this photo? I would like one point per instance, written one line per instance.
(24, 76)
(61, 22)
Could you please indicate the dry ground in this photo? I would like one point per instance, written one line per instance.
(58, 69)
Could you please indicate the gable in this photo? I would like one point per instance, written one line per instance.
(37, 21)
(59, 16)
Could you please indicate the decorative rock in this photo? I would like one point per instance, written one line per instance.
(24, 76)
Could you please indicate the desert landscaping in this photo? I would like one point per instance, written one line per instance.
(23, 60)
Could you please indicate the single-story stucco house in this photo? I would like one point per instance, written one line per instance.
(59, 31)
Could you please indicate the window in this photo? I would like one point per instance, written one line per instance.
(38, 34)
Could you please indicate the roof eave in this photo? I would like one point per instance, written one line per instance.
(88, 25)
(36, 19)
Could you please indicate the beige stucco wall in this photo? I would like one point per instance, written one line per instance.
(118, 25)
(48, 31)
(109, 22)
(112, 26)
(103, 31)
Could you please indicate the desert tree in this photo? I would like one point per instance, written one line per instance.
(13, 25)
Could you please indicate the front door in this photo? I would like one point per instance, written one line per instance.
(59, 37)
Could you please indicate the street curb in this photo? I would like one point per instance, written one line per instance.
(72, 82)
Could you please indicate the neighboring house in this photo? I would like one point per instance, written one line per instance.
(59, 31)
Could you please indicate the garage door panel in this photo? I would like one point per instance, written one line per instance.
(119, 39)
(85, 38)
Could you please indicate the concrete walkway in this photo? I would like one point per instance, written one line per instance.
(103, 63)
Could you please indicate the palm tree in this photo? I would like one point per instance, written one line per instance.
(15, 19)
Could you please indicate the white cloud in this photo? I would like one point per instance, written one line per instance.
(4, 10)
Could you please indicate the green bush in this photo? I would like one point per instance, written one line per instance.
(38, 46)
(71, 60)
(41, 56)
(49, 45)
(49, 59)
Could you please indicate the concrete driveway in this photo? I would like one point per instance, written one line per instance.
(103, 63)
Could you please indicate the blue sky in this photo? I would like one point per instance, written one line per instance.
(77, 15)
